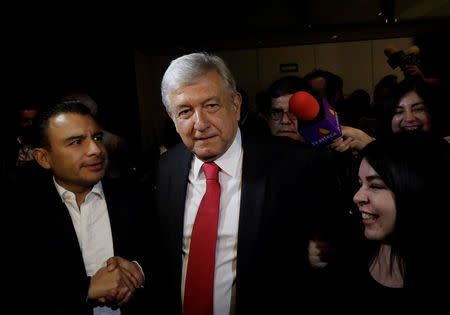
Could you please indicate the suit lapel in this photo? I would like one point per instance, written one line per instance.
(252, 202)
(61, 232)
(179, 185)
(178, 178)
(173, 188)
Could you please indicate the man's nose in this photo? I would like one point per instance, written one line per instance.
(201, 120)
(93, 147)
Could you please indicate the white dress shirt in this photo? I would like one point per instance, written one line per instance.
(93, 229)
(230, 176)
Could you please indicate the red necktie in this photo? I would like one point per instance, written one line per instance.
(199, 287)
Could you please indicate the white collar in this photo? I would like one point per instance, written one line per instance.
(228, 162)
(65, 194)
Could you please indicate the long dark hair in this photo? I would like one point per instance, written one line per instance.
(415, 167)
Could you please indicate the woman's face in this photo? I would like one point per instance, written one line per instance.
(376, 202)
(411, 113)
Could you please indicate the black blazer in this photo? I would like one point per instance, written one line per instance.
(57, 276)
(279, 194)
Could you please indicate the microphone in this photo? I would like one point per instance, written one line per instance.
(318, 122)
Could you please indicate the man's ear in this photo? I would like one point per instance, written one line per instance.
(42, 157)
(172, 118)
(237, 101)
(169, 113)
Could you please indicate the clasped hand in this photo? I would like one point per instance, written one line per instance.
(116, 282)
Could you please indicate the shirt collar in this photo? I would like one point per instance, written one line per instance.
(65, 194)
(228, 162)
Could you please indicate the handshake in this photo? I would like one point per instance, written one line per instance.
(116, 282)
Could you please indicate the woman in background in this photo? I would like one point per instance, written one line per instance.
(413, 106)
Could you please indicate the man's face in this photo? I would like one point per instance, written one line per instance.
(77, 155)
(205, 117)
(282, 123)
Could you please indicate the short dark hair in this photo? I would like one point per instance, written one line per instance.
(286, 85)
(334, 83)
(40, 138)
(431, 96)
(424, 90)
(289, 84)
(388, 81)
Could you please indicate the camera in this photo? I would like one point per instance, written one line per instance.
(399, 58)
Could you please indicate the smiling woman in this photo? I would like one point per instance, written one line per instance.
(413, 105)
(376, 202)
(403, 180)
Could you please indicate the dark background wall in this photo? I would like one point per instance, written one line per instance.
(92, 50)
(42, 72)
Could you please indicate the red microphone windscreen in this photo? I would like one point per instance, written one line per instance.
(304, 106)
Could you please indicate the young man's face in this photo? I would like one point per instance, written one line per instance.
(77, 155)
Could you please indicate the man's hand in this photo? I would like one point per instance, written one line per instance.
(414, 70)
(104, 283)
(321, 253)
(352, 138)
(341, 144)
(131, 278)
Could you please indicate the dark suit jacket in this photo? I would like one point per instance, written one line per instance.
(50, 255)
(279, 197)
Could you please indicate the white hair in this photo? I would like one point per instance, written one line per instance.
(189, 68)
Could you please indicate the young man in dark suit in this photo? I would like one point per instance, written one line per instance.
(81, 233)
(269, 189)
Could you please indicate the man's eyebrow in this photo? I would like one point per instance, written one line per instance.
(74, 137)
(180, 106)
(212, 98)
